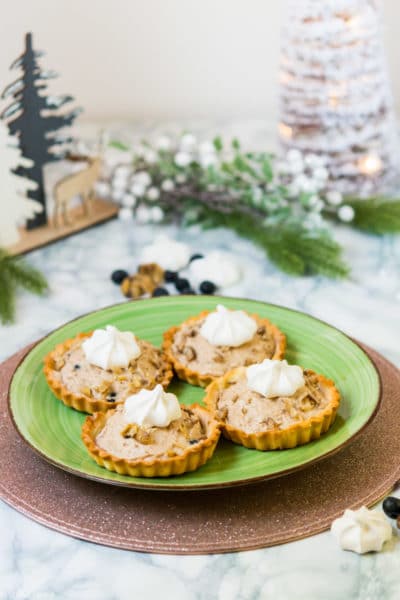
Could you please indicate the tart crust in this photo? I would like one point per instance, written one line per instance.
(190, 460)
(202, 379)
(83, 402)
(297, 434)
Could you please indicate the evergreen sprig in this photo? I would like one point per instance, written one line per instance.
(291, 247)
(16, 273)
(284, 206)
(376, 215)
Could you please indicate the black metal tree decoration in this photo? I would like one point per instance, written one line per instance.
(30, 117)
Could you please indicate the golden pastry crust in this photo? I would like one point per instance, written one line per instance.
(191, 459)
(81, 401)
(203, 380)
(297, 434)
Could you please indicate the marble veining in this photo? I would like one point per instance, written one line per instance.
(39, 564)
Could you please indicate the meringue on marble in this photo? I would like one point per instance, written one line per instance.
(153, 408)
(109, 348)
(225, 327)
(362, 530)
(167, 253)
(217, 267)
(274, 378)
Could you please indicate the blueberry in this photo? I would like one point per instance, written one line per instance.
(111, 397)
(160, 291)
(193, 442)
(76, 367)
(170, 276)
(391, 507)
(196, 257)
(118, 276)
(182, 284)
(207, 287)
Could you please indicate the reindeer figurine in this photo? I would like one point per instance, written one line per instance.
(76, 184)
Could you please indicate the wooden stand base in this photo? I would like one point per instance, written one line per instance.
(101, 211)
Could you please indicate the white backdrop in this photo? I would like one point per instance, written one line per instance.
(162, 59)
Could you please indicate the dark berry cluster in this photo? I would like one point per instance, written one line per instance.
(182, 285)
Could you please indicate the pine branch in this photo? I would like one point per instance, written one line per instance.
(26, 276)
(376, 215)
(7, 299)
(16, 273)
(290, 247)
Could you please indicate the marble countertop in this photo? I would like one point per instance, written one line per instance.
(39, 564)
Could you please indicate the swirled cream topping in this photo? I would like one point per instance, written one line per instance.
(108, 348)
(225, 327)
(274, 378)
(362, 530)
(154, 408)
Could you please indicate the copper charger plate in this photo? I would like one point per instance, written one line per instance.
(225, 520)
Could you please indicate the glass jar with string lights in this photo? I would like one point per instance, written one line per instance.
(335, 97)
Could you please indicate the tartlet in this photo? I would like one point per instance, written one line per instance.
(185, 445)
(255, 421)
(89, 388)
(198, 362)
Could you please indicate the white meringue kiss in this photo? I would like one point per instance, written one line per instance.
(217, 267)
(228, 327)
(167, 253)
(152, 408)
(274, 378)
(108, 348)
(362, 530)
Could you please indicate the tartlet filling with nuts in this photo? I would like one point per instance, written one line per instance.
(131, 441)
(273, 405)
(194, 351)
(251, 412)
(71, 369)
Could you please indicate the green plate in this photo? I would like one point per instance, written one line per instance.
(53, 430)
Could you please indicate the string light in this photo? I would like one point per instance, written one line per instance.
(285, 77)
(337, 93)
(285, 131)
(370, 164)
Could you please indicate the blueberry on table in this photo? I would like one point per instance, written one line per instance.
(207, 287)
(391, 507)
(160, 291)
(182, 284)
(118, 276)
(195, 257)
(170, 276)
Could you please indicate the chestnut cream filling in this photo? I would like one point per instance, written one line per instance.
(195, 352)
(251, 412)
(133, 442)
(74, 371)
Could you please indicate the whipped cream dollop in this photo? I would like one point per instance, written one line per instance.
(152, 408)
(362, 530)
(109, 347)
(274, 378)
(216, 266)
(167, 253)
(225, 327)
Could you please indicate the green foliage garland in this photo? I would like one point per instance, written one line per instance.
(16, 273)
(285, 207)
(376, 215)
